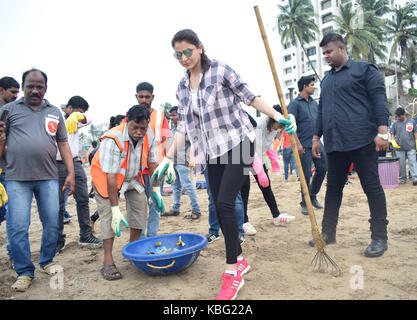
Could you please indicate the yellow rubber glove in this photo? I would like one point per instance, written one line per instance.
(71, 124)
(117, 219)
(394, 144)
(3, 196)
(165, 167)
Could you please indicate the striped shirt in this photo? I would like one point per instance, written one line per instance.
(221, 123)
(111, 160)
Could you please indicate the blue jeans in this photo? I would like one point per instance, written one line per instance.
(18, 221)
(213, 221)
(288, 156)
(412, 164)
(152, 225)
(182, 180)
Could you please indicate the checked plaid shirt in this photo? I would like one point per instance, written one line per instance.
(221, 123)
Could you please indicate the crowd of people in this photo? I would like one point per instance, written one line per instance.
(208, 133)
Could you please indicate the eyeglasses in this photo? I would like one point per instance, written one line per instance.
(188, 53)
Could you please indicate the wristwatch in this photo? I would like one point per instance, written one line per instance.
(383, 136)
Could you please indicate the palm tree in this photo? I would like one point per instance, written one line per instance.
(404, 32)
(373, 11)
(410, 67)
(296, 23)
(358, 38)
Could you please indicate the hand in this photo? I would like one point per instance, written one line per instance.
(394, 144)
(259, 170)
(381, 144)
(157, 200)
(71, 124)
(273, 156)
(70, 182)
(117, 219)
(289, 124)
(315, 150)
(165, 167)
(2, 127)
(300, 149)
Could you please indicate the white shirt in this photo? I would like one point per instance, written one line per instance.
(74, 139)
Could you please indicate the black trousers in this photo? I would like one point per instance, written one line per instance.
(226, 176)
(269, 195)
(366, 165)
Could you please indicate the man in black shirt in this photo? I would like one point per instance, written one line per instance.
(352, 117)
(304, 109)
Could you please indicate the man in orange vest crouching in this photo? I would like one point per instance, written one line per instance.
(117, 168)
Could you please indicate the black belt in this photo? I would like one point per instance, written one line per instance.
(73, 159)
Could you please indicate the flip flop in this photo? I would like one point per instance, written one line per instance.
(47, 269)
(192, 216)
(170, 213)
(110, 272)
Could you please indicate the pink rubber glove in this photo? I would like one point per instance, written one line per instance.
(273, 156)
(259, 170)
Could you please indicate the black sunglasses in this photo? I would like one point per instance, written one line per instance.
(186, 52)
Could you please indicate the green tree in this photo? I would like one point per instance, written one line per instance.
(410, 66)
(373, 13)
(358, 38)
(96, 131)
(296, 22)
(403, 31)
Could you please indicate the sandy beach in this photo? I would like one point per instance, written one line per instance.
(279, 255)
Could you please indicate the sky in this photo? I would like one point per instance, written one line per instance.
(101, 50)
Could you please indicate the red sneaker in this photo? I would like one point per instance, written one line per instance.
(242, 267)
(230, 287)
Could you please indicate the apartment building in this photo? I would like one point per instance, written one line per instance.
(294, 62)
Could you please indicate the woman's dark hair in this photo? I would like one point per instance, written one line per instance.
(271, 121)
(116, 120)
(190, 36)
(138, 113)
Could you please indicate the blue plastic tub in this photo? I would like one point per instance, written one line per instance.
(165, 263)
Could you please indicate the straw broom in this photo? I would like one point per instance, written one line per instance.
(321, 260)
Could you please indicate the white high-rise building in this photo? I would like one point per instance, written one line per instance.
(294, 63)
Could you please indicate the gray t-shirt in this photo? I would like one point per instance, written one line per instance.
(404, 134)
(31, 141)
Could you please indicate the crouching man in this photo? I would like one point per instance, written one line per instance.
(117, 169)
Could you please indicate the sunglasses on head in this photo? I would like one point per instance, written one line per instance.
(186, 52)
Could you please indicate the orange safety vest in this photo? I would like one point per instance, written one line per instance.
(99, 178)
(156, 123)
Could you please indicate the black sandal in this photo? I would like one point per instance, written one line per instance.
(170, 213)
(192, 216)
(110, 272)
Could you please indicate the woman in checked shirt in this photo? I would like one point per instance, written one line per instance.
(222, 138)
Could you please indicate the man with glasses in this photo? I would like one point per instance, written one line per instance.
(161, 132)
(304, 109)
(35, 131)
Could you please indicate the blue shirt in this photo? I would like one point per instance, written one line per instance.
(353, 104)
(305, 113)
